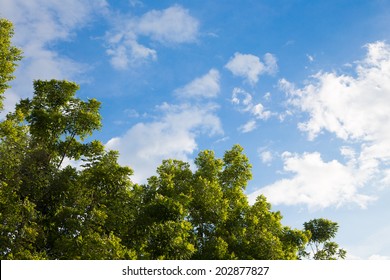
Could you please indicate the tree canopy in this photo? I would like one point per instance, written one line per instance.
(9, 56)
(321, 247)
(51, 210)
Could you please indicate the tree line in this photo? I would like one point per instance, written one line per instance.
(52, 211)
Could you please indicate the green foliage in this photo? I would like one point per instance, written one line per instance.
(54, 211)
(208, 213)
(9, 55)
(322, 248)
(50, 210)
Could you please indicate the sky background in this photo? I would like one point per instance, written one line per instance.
(303, 86)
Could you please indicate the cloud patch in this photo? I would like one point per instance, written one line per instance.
(207, 86)
(316, 183)
(265, 155)
(351, 107)
(243, 101)
(170, 26)
(250, 67)
(248, 127)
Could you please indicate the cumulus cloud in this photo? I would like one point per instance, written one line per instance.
(170, 26)
(355, 108)
(316, 183)
(250, 67)
(145, 145)
(206, 86)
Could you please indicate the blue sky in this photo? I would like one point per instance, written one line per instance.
(303, 86)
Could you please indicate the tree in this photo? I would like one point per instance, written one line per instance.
(320, 244)
(211, 213)
(9, 55)
(60, 212)
(18, 218)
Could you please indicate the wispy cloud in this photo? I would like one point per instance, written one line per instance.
(248, 127)
(243, 101)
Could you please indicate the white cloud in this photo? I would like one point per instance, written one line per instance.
(310, 57)
(270, 63)
(316, 183)
(259, 112)
(267, 96)
(242, 97)
(206, 86)
(129, 53)
(145, 145)
(173, 25)
(286, 86)
(355, 108)
(248, 127)
(266, 157)
(244, 102)
(250, 67)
